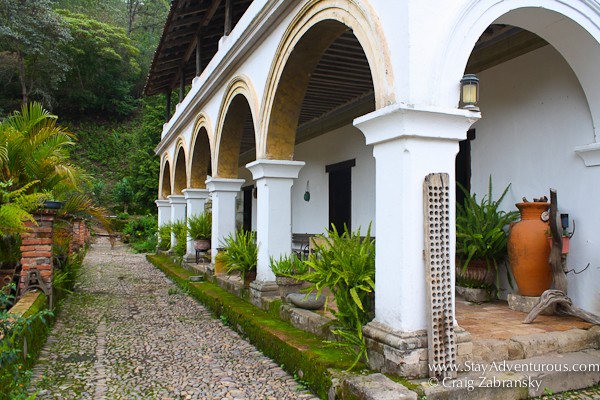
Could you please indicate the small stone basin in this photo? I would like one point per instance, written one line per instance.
(308, 303)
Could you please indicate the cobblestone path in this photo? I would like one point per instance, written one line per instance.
(129, 333)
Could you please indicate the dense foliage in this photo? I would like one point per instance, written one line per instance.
(103, 69)
(141, 232)
(31, 60)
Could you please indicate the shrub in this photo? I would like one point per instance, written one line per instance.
(346, 265)
(240, 253)
(141, 233)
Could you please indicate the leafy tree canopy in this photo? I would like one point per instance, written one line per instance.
(31, 36)
(104, 68)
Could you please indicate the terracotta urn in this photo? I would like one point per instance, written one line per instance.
(528, 250)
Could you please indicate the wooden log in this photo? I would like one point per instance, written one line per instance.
(559, 278)
(558, 295)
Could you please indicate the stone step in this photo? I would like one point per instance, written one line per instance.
(539, 344)
(519, 379)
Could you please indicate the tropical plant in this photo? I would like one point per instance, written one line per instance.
(240, 253)
(200, 226)
(481, 229)
(15, 208)
(37, 151)
(179, 229)
(38, 161)
(290, 266)
(346, 265)
(164, 237)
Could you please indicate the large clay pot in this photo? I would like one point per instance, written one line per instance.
(528, 250)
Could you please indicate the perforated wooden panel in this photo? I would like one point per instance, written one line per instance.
(440, 334)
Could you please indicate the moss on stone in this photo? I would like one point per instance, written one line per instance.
(302, 354)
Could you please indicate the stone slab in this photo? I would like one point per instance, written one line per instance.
(520, 379)
(375, 387)
(524, 304)
(474, 295)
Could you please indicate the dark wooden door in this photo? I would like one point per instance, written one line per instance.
(463, 166)
(247, 221)
(340, 194)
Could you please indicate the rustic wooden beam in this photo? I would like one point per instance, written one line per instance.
(194, 43)
(168, 106)
(181, 83)
(198, 56)
(228, 17)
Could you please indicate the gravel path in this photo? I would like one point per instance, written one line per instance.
(129, 333)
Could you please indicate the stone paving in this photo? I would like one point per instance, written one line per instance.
(127, 332)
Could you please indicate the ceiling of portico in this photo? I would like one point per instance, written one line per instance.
(340, 87)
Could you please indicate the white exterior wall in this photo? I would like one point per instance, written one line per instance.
(342, 144)
(534, 115)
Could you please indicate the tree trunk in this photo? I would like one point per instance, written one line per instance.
(22, 78)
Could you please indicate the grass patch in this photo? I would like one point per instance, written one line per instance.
(301, 353)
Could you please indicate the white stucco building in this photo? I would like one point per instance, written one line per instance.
(356, 102)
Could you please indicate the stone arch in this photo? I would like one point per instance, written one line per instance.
(311, 32)
(239, 102)
(201, 151)
(179, 170)
(562, 24)
(165, 188)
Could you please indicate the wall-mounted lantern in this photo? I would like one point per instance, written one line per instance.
(469, 92)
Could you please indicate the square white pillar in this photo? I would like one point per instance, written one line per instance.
(274, 180)
(409, 144)
(195, 200)
(178, 205)
(164, 212)
(223, 192)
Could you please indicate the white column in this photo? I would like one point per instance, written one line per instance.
(409, 143)
(274, 180)
(223, 192)
(195, 199)
(178, 204)
(164, 212)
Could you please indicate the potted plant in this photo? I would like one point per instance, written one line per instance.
(200, 230)
(240, 255)
(481, 237)
(286, 271)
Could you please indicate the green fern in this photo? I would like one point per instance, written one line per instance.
(240, 252)
(346, 265)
